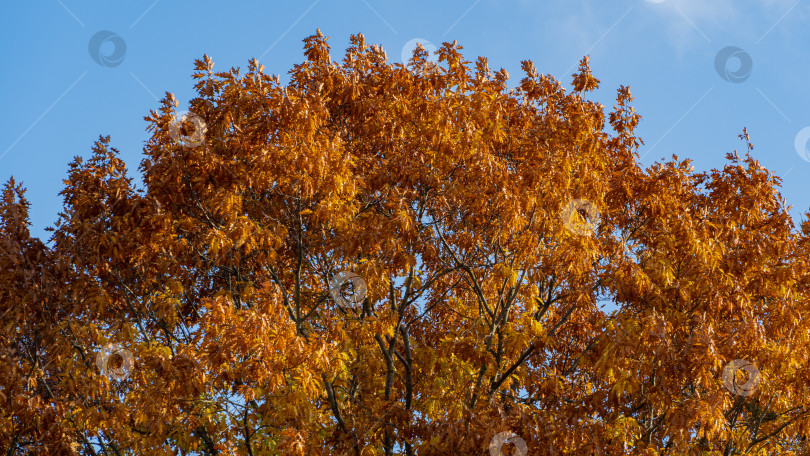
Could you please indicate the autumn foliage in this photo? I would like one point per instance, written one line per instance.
(199, 313)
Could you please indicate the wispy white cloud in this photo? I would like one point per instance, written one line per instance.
(688, 22)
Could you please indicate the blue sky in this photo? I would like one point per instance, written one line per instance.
(57, 99)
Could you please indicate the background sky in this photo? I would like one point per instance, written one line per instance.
(694, 92)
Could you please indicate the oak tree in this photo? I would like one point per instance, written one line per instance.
(380, 259)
